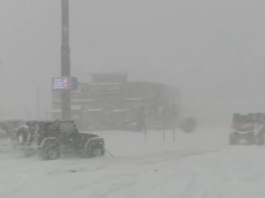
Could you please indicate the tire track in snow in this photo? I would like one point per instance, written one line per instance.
(114, 188)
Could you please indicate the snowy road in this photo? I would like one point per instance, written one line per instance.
(199, 165)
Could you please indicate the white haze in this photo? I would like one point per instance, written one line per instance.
(212, 50)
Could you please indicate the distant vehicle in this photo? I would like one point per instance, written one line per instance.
(248, 127)
(188, 124)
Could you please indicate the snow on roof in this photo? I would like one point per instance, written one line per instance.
(73, 107)
(93, 110)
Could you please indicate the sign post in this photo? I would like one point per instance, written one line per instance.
(65, 60)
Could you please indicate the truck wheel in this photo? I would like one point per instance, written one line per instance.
(51, 152)
(260, 139)
(93, 152)
(96, 152)
(21, 137)
(251, 140)
(232, 139)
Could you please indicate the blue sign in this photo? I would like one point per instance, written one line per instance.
(64, 83)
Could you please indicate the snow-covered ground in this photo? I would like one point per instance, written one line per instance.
(198, 165)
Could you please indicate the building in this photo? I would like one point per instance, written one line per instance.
(110, 101)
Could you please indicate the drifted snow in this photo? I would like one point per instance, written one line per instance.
(199, 165)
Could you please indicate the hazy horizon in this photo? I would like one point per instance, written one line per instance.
(212, 50)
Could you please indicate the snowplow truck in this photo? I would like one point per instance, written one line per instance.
(248, 127)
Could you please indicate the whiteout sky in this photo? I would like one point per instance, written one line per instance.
(213, 50)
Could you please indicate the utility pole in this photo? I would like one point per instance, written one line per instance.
(1, 102)
(38, 102)
(65, 60)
